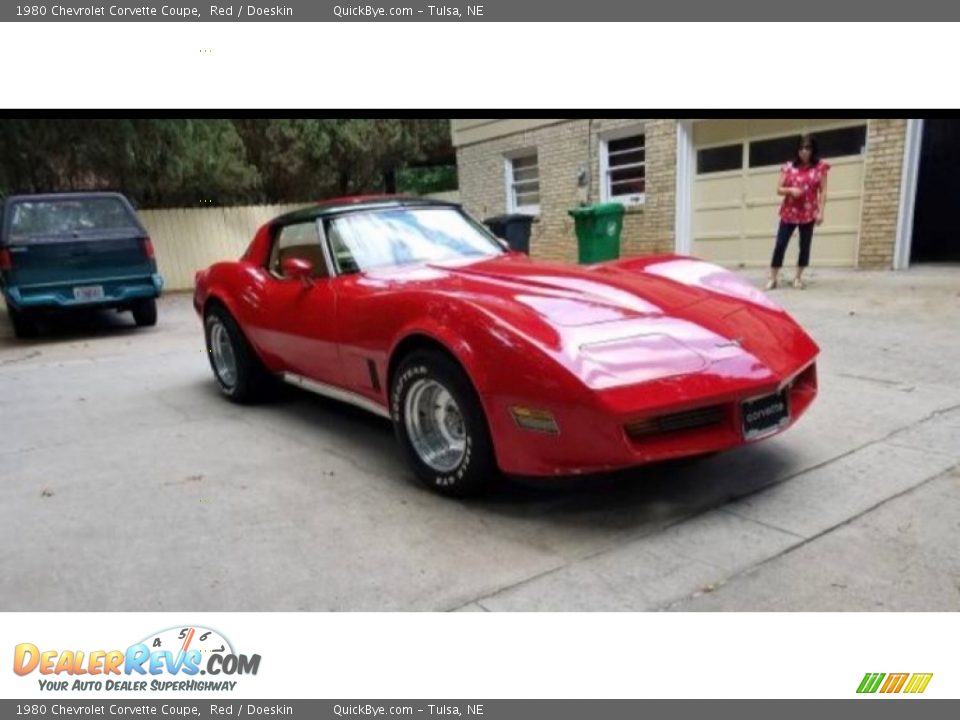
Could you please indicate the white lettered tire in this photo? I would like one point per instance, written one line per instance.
(440, 424)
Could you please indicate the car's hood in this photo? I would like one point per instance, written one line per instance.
(622, 323)
(563, 295)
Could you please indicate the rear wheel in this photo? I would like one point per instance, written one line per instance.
(236, 367)
(145, 312)
(440, 424)
(24, 326)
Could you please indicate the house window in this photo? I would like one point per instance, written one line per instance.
(832, 143)
(845, 141)
(775, 151)
(719, 159)
(523, 184)
(624, 169)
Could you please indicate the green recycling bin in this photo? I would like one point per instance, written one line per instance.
(598, 231)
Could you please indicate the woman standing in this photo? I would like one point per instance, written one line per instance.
(803, 185)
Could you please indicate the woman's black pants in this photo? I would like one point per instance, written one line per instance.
(784, 232)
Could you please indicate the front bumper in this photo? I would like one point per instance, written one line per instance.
(117, 292)
(603, 437)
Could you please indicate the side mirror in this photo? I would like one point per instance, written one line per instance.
(297, 269)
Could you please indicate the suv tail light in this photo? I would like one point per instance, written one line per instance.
(148, 248)
(6, 260)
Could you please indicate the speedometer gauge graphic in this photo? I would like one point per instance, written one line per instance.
(183, 639)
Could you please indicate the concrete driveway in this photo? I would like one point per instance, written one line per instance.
(128, 483)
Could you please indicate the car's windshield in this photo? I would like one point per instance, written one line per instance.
(69, 216)
(399, 236)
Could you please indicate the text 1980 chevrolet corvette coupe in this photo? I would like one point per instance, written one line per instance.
(486, 360)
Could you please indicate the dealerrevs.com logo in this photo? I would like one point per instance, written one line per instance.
(172, 659)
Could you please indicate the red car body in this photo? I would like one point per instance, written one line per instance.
(637, 360)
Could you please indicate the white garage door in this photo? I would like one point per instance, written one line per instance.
(735, 204)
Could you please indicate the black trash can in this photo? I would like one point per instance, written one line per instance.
(515, 229)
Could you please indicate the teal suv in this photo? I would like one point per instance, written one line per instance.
(70, 251)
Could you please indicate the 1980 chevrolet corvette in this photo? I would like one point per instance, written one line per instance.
(486, 360)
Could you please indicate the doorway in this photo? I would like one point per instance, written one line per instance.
(936, 234)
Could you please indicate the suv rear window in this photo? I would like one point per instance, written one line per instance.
(70, 216)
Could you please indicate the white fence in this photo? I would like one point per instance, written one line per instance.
(189, 239)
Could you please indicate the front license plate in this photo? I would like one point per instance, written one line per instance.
(88, 292)
(764, 415)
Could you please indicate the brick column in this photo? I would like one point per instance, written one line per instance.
(661, 196)
(650, 228)
(881, 192)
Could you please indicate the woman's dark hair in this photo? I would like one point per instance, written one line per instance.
(811, 142)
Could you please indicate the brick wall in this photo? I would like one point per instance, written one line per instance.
(650, 228)
(566, 146)
(881, 192)
(563, 148)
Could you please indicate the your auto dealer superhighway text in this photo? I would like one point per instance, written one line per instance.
(170, 11)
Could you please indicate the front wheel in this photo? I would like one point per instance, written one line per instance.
(145, 312)
(439, 422)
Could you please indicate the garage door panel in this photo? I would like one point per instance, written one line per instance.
(833, 249)
(712, 189)
(764, 211)
(725, 252)
(762, 183)
(717, 132)
(757, 251)
(736, 213)
(771, 127)
(762, 223)
(726, 221)
(764, 214)
(845, 177)
(842, 211)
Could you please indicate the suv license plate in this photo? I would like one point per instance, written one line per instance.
(88, 292)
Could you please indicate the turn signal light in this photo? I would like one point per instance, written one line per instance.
(534, 419)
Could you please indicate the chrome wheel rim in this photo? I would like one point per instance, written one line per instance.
(435, 425)
(224, 359)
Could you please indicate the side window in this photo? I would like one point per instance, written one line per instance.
(298, 241)
(341, 252)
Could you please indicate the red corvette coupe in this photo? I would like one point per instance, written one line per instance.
(486, 360)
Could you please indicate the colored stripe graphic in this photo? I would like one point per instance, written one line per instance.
(918, 683)
(870, 682)
(894, 682)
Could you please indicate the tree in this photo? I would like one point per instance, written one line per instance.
(154, 162)
(183, 162)
(169, 162)
(315, 158)
(291, 157)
